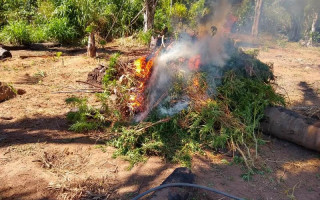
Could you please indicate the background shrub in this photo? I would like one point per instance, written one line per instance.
(16, 32)
(60, 30)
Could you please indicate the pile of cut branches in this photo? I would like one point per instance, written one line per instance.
(226, 120)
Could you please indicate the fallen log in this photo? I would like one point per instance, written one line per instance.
(4, 54)
(291, 126)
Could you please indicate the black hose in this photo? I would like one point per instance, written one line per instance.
(185, 185)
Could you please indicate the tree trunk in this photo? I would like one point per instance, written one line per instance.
(255, 26)
(313, 29)
(149, 14)
(295, 32)
(91, 50)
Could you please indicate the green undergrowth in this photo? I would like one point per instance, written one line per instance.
(229, 120)
(86, 117)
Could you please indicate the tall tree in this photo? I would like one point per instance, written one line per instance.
(313, 28)
(150, 10)
(312, 10)
(256, 20)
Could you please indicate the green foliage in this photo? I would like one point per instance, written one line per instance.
(161, 20)
(60, 30)
(179, 11)
(86, 118)
(197, 10)
(232, 120)
(275, 18)
(165, 139)
(111, 17)
(316, 37)
(111, 71)
(247, 65)
(247, 176)
(38, 34)
(245, 14)
(16, 32)
(229, 120)
(145, 37)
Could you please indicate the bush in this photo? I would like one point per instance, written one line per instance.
(60, 30)
(145, 37)
(179, 10)
(86, 118)
(16, 32)
(38, 34)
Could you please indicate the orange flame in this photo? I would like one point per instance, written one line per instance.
(196, 82)
(143, 72)
(195, 62)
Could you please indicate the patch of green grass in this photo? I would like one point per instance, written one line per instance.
(86, 118)
(101, 147)
(237, 160)
(248, 176)
(224, 161)
(40, 74)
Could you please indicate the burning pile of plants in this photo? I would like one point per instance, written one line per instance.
(196, 93)
(190, 96)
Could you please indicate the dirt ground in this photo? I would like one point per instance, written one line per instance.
(41, 159)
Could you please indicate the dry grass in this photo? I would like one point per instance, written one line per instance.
(62, 162)
(26, 149)
(87, 189)
(128, 42)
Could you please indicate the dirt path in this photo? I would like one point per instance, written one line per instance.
(41, 159)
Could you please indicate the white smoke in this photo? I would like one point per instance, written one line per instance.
(213, 57)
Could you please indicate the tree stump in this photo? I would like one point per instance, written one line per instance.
(92, 51)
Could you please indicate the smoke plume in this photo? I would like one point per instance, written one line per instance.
(211, 50)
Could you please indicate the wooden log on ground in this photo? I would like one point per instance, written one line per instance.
(4, 54)
(291, 126)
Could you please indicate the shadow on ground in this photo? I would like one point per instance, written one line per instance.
(41, 129)
(310, 105)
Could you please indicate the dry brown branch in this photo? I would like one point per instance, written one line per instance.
(93, 85)
(35, 56)
(78, 91)
(153, 124)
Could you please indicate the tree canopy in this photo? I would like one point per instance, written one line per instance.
(69, 21)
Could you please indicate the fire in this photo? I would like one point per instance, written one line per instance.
(195, 62)
(139, 64)
(143, 68)
(196, 82)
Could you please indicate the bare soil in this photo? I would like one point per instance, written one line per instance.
(41, 159)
